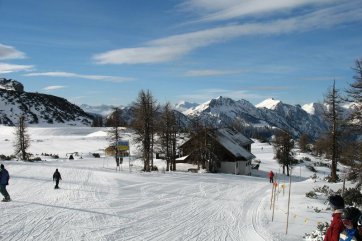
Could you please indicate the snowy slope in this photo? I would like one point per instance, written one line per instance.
(222, 111)
(97, 203)
(270, 103)
(185, 105)
(40, 109)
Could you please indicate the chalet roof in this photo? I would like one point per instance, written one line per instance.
(236, 136)
(233, 141)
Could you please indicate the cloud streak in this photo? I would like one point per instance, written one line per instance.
(81, 76)
(10, 68)
(215, 10)
(9, 52)
(174, 47)
(54, 87)
(211, 72)
(268, 69)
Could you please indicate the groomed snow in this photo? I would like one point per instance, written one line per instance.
(96, 202)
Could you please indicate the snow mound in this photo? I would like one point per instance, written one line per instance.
(97, 133)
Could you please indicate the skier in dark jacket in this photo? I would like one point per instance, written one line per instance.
(4, 181)
(56, 178)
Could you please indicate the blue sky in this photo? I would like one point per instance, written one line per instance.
(105, 52)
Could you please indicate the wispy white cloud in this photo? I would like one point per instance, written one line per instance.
(142, 55)
(54, 87)
(9, 52)
(10, 68)
(270, 88)
(74, 75)
(322, 78)
(269, 69)
(207, 94)
(210, 72)
(173, 47)
(215, 10)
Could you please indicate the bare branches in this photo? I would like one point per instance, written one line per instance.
(333, 115)
(144, 125)
(22, 139)
(114, 135)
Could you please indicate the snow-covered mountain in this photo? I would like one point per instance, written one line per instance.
(314, 109)
(103, 110)
(220, 112)
(268, 114)
(226, 112)
(269, 103)
(40, 109)
(185, 105)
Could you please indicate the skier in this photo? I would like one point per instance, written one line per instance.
(56, 178)
(337, 204)
(350, 217)
(4, 181)
(271, 176)
(117, 162)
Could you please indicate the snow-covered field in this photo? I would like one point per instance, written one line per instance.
(95, 202)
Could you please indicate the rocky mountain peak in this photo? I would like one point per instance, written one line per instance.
(10, 84)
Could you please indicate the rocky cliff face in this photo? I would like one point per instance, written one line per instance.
(9, 84)
(40, 109)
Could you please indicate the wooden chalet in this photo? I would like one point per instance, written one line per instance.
(219, 150)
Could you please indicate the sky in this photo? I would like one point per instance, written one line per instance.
(104, 52)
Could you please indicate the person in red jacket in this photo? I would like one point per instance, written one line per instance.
(337, 204)
(271, 176)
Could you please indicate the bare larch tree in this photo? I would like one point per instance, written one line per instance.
(114, 132)
(333, 116)
(167, 131)
(355, 97)
(144, 124)
(22, 139)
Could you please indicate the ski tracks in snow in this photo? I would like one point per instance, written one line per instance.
(95, 204)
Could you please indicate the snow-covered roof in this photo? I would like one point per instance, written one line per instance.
(233, 141)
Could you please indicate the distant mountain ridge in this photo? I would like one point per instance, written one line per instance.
(49, 110)
(268, 114)
(39, 109)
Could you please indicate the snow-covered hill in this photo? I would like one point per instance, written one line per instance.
(39, 109)
(96, 202)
